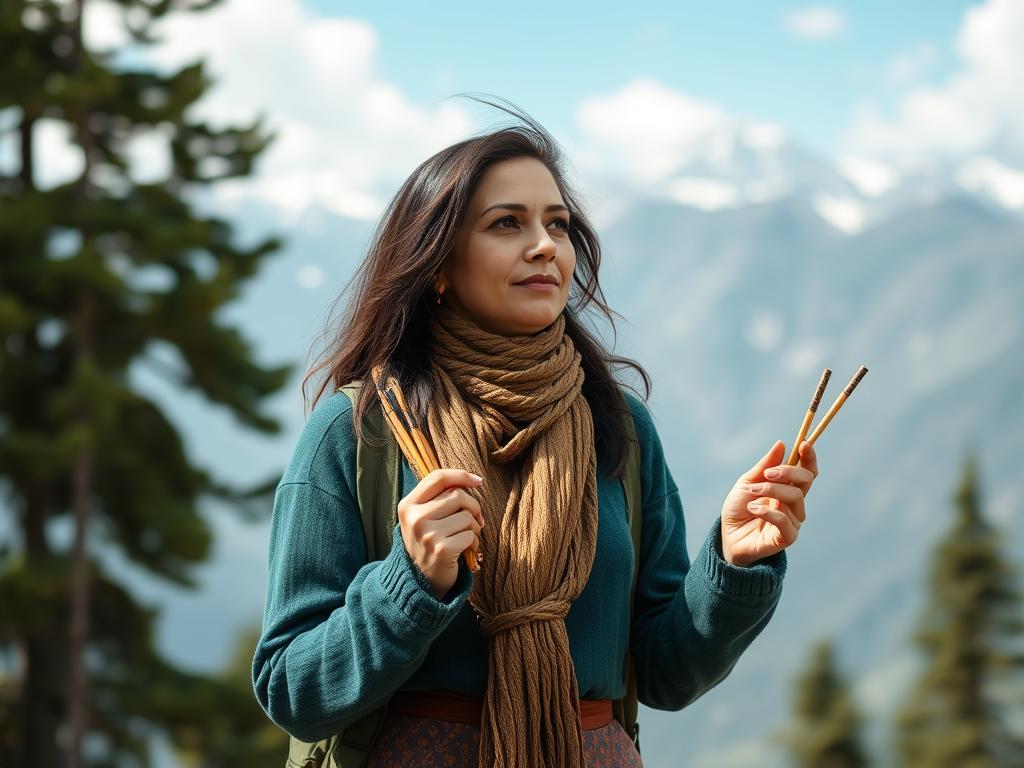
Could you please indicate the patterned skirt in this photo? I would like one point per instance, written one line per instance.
(420, 742)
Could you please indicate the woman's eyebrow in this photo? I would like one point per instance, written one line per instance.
(521, 207)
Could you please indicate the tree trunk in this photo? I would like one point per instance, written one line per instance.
(27, 174)
(41, 690)
(82, 480)
(81, 568)
(81, 594)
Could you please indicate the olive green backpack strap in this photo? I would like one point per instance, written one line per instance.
(378, 478)
(378, 491)
(627, 708)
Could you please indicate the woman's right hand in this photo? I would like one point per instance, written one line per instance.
(439, 520)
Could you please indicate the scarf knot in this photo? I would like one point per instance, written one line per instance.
(548, 609)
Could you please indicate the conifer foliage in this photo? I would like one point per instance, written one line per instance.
(967, 707)
(95, 274)
(825, 732)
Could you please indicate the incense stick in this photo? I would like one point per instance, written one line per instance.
(837, 404)
(413, 441)
(408, 449)
(794, 455)
(417, 432)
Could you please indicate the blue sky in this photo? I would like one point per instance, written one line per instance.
(742, 56)
(640, 95)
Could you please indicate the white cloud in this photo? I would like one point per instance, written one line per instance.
(908, 67)
(764, 135)
(645, 131)
(804, 358)
(345, 136)
(309, 276)
(816, 22)
(649, 139)
(977, 109)
(764, 330)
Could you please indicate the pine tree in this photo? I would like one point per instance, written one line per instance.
(94, 275)
(825, 731)
(970, 696)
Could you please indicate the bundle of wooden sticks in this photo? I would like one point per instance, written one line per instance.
(412, 438)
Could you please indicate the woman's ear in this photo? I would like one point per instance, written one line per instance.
(441, 282)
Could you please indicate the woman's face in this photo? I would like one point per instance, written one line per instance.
(515, 228)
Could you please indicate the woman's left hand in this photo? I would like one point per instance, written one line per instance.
(751, 529)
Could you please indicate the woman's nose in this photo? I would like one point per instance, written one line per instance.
(544, 249)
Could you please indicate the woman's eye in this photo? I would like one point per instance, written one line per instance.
(512, 219)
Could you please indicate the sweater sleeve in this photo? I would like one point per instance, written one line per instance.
(692, 621)
(340, 635)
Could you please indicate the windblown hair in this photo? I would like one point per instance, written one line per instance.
(387, 318)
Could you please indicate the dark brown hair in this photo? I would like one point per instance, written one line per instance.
(387, 319)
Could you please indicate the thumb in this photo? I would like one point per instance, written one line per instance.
(770, 459)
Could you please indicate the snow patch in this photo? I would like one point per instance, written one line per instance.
(844, 213)
(706, 194)
(871, 177)
(986, 175)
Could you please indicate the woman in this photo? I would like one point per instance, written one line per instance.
(472, 294)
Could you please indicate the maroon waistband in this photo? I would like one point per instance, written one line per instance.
(455, 707)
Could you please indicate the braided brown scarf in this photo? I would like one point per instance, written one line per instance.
(511, 409)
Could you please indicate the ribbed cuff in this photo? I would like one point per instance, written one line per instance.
(411, 592)
(762, 578)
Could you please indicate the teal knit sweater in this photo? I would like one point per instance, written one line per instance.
(341, 635)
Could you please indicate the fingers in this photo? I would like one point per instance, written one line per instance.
(808, 458)
(439, 550)
(456, 524)
(445, 487)
(451, 501)
(447, 539)
(799, 476)
(439, 480)
(455, 545)
(780, 519)
(774, 456)
(788, 494)
(796, 515)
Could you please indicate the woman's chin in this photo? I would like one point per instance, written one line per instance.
(536, 319)
(522, 320)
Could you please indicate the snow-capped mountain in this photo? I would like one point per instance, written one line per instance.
(749, 163)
